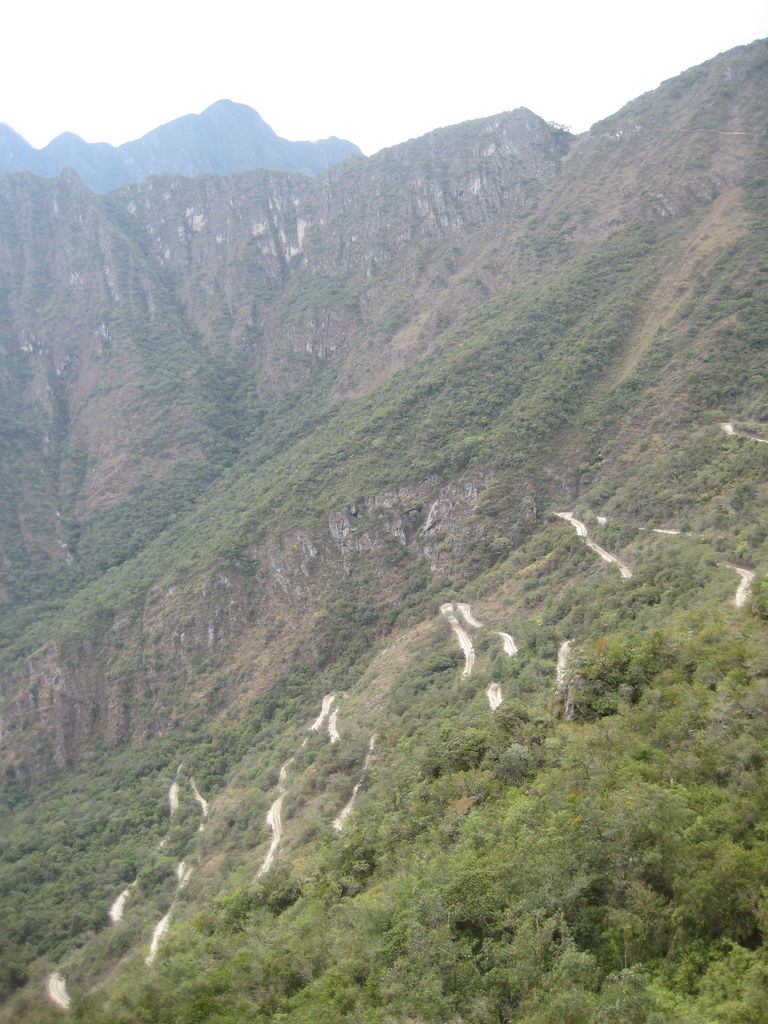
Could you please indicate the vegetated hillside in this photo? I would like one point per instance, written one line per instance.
(225, 138)
(314, 707)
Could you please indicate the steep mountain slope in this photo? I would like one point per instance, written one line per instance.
(144, 290)
(305, 662)
(225, 138)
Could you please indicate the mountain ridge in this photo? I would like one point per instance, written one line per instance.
(435, 438)
(225, 138)
(184, 237)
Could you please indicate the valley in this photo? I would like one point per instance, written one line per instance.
(314, 704)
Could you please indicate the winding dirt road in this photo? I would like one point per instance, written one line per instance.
(563, 685)
(56, 987)
(465, 643)
(117, 908)
(747, 578)
(338, 823)
(494, 696)
(462, 636)
(275, 822)
(275, 812)
(203, 804)
(173, 793)
(581, 531)
(160, 929)
(730, 429)
(328, 699)
(369, 756)
(468, 616)
(562, 662)
(510, 647)
(333, 731)
(493, 692)
(183, 874)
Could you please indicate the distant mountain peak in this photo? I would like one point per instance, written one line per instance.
(67, 137)
(229, 106)
(226, 137)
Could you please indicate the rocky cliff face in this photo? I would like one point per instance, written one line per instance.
(153, 337)
(247, 235)
(229, 625)
(112, 302)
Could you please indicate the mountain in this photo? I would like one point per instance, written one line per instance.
(227, 137)
(383, 577)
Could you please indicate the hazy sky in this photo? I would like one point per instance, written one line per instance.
(375, 74)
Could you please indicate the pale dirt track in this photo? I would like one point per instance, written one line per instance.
(284, 770)
(183, 874)
(493, 692)
(730, 429)
(469, 618)
(338, 823)
(494, 696)
(275, 815)
(203, 804)
(328, 699)
(562, 679)
(510, 647)
(462, 636)
(747, 578)
(562, 662)
(56, 987)
(333, 730)
(160, 929)
(117, 908)
(369, 756)
(581, 531)
(275, 822)
(465, 643)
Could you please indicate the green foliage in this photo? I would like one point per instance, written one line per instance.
(121, 531)
(610, 890)
(614, 672)
(497, 867)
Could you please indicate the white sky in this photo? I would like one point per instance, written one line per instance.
(374, 75)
